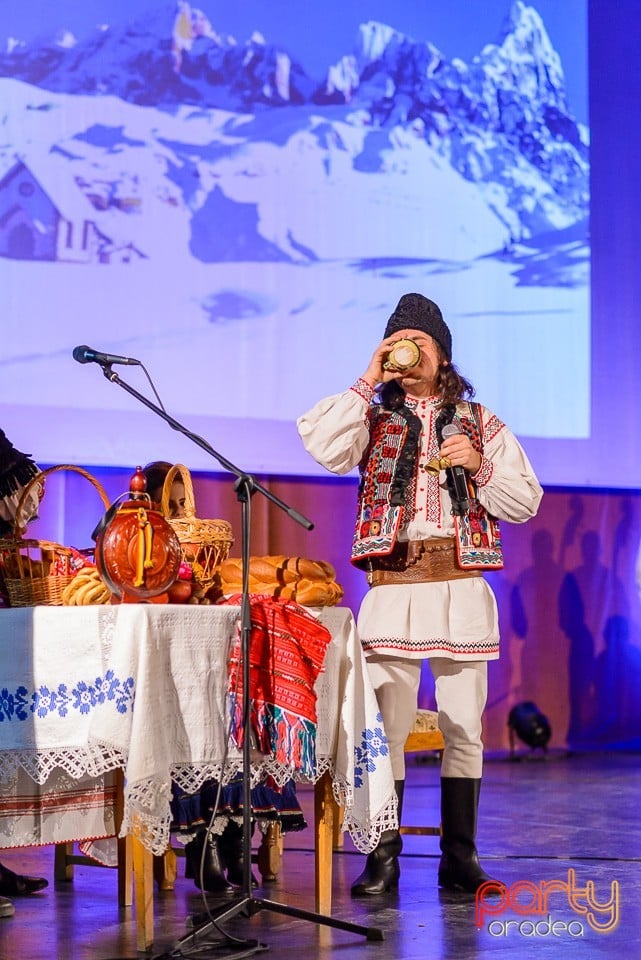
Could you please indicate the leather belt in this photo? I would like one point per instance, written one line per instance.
(418, 561)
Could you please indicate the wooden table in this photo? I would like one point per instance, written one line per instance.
(69, 680)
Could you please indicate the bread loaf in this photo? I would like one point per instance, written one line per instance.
(308, 582)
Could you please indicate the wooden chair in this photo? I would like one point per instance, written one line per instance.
(135, 869)
(65, 858)
(135, 884)
(424, 737)
(268, 858)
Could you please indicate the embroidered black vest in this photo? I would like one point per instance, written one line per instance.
(387, 490)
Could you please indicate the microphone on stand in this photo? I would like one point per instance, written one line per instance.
(456, 477)
(85, 354)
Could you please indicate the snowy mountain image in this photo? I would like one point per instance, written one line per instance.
(173, 189)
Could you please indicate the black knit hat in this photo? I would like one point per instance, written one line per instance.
(16, 469)
(416, 312)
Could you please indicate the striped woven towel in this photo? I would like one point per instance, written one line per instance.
(286, 652)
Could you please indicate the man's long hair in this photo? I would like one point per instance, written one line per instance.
(452, 386)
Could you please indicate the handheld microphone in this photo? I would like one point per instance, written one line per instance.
(85, 354)
(456, 477)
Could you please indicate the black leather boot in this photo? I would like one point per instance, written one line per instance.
(382, 871)
(459, 868)
(214, 880)
(230, 845)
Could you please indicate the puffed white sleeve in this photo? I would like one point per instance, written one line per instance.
(506, 484)
(335, 432)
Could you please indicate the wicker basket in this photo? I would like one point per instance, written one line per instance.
(36, 572)
(204, 543)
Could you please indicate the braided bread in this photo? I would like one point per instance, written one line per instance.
(308, 582)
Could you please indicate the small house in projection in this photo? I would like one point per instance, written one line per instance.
(44, 215)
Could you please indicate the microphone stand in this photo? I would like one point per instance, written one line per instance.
(245, 486)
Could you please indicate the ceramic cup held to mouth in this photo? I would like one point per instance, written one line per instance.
(404, 355)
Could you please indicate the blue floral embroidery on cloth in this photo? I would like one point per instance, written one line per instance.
(83, 697)
(373, 745)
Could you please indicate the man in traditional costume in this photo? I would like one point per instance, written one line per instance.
(438, 472)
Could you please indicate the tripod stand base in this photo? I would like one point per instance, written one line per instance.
(252, 905)
(224, 949)
(227, 948)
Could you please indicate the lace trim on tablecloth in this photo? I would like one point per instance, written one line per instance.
(39, 765)
(191, 777)
(146, 803)
(147, 815)
(147, 812)
(365, 835)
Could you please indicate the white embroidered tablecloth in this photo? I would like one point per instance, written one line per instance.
(69, 678)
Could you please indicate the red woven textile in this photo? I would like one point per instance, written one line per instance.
(287, 648)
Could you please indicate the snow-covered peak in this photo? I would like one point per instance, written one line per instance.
(525, 44)
(13, 44)
(524, 31)
(501, 120)
(65, 39)
(343, 78)
(374, 38)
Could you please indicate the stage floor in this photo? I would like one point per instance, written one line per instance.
(570, 821)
